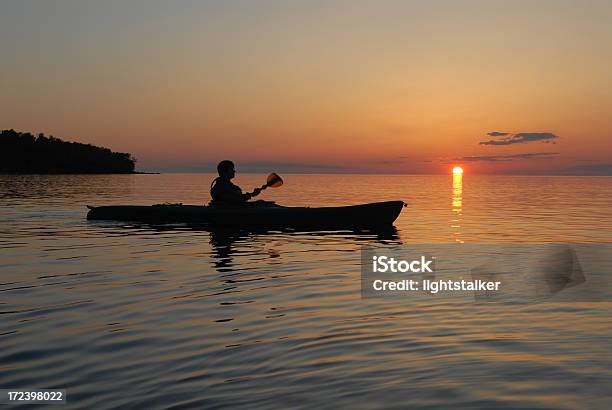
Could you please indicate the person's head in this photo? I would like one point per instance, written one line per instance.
(226, 169)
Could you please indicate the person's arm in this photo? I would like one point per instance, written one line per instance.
(250, 195)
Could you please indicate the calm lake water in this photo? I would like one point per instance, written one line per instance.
(123, 315)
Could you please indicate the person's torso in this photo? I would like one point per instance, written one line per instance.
(224, 190)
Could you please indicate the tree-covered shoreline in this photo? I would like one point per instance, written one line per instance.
(24, 153)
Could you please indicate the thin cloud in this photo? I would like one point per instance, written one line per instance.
(591, 169)
(519, 138)
(502, 158)
(440, 160)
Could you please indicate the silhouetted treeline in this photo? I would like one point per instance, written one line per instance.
(22, 152)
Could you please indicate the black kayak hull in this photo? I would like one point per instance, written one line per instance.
(366, 215)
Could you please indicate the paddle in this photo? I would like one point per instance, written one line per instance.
(274, 180)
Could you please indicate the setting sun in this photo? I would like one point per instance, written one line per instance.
(457, 170)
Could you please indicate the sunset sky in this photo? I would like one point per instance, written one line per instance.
(341, 86)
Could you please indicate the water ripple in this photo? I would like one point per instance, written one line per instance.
(160, 317)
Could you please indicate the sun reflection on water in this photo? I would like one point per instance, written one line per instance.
(457, 205)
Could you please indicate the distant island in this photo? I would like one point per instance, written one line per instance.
(24, 153)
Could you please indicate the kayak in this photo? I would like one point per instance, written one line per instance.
(267, 214)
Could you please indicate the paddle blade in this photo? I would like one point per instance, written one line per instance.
(274, 180)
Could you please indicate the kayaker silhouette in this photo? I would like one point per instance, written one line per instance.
(224, 192)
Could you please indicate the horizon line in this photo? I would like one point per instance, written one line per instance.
(380, 173)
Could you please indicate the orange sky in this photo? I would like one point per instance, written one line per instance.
(400, 87)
